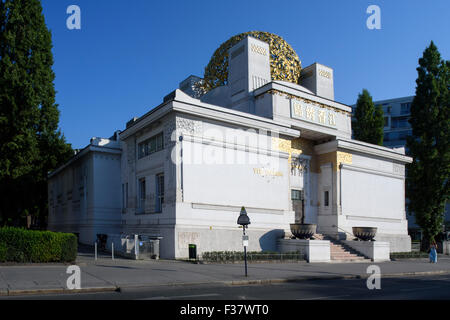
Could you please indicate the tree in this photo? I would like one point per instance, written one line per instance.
(31, 144)
(427, 176)
(369, 120)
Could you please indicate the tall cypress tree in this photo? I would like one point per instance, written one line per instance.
(369, 120)
(30, 143)
(429, 145)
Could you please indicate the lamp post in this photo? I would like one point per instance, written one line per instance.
(244, 221)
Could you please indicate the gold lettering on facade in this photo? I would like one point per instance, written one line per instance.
(310, 113)
(297, 108)
(313, 112)
(267, 172)
(331, 119)
(321, 116)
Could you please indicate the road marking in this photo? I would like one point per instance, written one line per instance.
(181, 297)
(329, 297)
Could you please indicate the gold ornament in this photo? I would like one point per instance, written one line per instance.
(284, 62)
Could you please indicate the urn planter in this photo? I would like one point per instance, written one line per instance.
(365, 233)
(302, 230)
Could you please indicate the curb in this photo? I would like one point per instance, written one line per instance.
(56, 291)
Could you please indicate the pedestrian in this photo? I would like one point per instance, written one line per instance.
(433, 252)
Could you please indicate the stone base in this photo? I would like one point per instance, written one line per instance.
(377, 251)
(398, 242)
(314, 250)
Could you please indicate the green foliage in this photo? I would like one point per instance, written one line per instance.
(20, 245)
(31, 144)
(427, 182)
(231, 256)
(408, 255)
(369, 120)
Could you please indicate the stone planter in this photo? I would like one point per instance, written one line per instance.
(303, 231)
(365, 233)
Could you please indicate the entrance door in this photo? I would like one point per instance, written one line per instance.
(298, 205)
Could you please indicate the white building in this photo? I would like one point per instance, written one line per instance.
(84, 194)
(397, 112)
(278, 148)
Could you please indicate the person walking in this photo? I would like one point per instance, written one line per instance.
(433, 252)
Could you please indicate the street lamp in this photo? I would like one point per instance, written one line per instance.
(244, 221)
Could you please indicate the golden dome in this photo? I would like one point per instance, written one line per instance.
(284, 62)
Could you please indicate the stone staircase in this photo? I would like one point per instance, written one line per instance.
(340, 252)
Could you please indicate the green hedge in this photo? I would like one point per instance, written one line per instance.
(20, 245)
(409, 255)
(230, 256)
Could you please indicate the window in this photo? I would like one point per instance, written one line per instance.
(159, 192)
(296, 195)
(152, 145)
(124, 195)
(403, 123)
(326, 199)
(142, 194)
(386, 121)
(405, 108)
(404, 134)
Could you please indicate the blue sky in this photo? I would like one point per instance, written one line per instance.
(129, 54)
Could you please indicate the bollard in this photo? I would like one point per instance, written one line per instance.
(112, 250)
(95, 245)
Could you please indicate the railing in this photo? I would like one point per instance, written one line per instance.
(345, 231)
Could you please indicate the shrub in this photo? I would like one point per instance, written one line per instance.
(231, 256)
(20, 245)
(409, 255)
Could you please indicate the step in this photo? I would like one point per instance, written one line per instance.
(341, 253)
(350, 261)
(347, 258)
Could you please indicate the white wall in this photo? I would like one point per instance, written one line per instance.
(371, 195)
(89, 188)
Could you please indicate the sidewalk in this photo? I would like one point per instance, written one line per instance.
(109, 275)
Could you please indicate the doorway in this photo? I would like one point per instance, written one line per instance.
(298, 205)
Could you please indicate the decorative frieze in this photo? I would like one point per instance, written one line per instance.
(399, 169)
(189, 127)
(293, 147)
(307, 101)
(336, 158)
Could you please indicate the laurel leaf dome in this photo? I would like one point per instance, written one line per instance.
(285, 64)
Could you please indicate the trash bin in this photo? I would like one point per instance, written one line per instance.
(192, 251)
(154, 248)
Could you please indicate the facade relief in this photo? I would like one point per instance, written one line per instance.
(335, 158)
(189, 127)
(294, 147)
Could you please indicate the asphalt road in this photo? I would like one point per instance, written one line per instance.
(405, 288)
